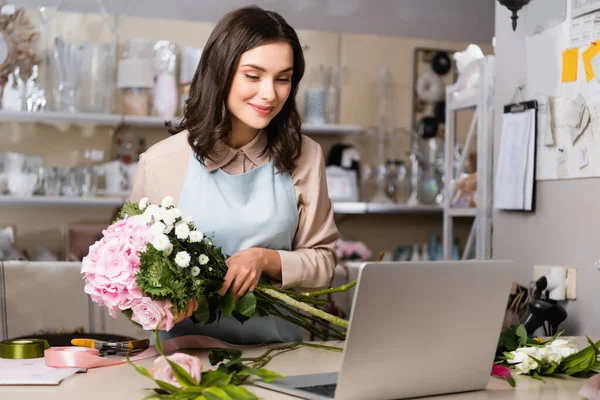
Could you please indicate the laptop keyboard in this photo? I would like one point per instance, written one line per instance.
(325, 390)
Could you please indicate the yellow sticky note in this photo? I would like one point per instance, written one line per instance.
(587, 57)
(570, 63)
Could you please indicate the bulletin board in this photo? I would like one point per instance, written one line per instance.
(569, 118)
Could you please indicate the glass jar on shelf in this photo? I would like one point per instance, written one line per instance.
(135, 81)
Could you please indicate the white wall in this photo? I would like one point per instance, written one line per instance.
(565, 228)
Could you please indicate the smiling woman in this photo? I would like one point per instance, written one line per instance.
(239, 165)
(252, 61)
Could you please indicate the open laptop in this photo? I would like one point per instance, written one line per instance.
(416, 329)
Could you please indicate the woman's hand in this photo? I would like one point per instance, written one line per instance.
(192, 306)
(244, 270)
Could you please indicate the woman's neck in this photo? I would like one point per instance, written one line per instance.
(241, 134)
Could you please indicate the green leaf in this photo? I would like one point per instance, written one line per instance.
(182, 376)
(167, 386)
(247, 305)
(227, 303)
(214, 378)
(217, 355)
(267, 375)
(216, 393)
(239, 392)
(522, 334)
(202, 314)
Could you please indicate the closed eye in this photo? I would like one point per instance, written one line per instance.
(252, 77)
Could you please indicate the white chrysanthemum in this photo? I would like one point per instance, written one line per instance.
(176, 212)
(168, 216)
(182, 230)
(143, 203)
(188, 219)
(169, 249)
(208, 242)
(152, 212)
(157, 228)
(196, 236)
(161, 242)
(167, 202)
(203, 259)
(195, 271)
(183, 259)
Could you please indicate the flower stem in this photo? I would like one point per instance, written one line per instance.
(289, 346)
(340, 335)
(338, 289)
(302, 297)
(296, 321)
(302, 306)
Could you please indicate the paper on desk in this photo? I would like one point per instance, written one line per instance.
(514, 178)
(32, 372)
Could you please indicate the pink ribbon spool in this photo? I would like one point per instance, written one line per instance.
(83, 357)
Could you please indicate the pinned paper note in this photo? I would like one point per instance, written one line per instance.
(587, 57)
(570, 62)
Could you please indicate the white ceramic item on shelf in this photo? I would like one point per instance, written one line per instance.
(116, 177)
(22, 183)
(165, 96)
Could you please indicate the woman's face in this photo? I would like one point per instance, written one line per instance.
(261, 84)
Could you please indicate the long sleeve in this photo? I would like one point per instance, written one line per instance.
(311, 263)
(145, 183)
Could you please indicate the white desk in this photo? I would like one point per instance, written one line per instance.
(123, 382)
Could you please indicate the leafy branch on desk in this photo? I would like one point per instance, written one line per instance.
(224, 382)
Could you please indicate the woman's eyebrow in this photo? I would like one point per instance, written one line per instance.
(264, 70)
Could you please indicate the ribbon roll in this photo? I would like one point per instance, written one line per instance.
(22, 349)
(83, 357)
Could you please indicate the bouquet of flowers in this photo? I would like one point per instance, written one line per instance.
(155, 267)
(537, 357)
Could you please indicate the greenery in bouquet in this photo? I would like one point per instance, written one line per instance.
(154, 266)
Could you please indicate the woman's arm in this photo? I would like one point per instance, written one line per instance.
(311, 263)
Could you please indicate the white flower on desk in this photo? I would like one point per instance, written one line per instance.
(196, 236)
(182, 230)
(203, 259)
(565, 347)
(182, 259)
(522, 357)
(195, 271)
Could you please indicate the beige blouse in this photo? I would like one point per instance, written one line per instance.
(162, 170)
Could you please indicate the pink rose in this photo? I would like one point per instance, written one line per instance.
(152, 314)
(162, 370)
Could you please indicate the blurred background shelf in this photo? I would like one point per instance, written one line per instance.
(118, 200)
(61, 201)
(54, 117)
(383, 208)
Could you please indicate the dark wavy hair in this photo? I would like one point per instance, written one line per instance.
(206, 116)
